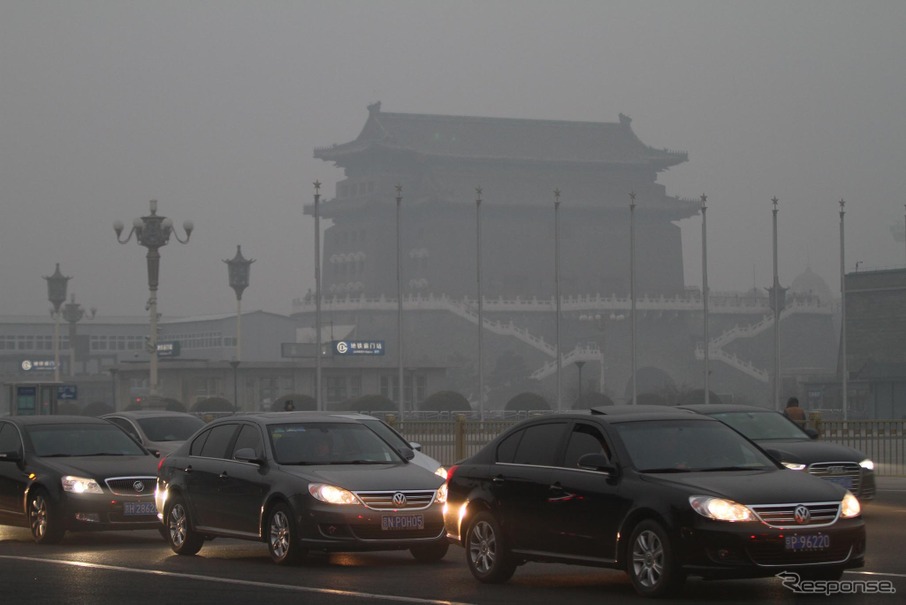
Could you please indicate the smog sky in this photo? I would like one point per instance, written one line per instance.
(214, 109)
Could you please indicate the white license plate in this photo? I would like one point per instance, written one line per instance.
(139, 508)
(806, 542)
(398, 522)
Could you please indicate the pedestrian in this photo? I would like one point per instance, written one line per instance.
(794, 412)
(289, 406)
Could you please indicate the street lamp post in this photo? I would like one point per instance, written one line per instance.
(56, 294)
(238, 269)
(557, 289)
(73, 314)
(399, 302)
(318, 295)
(632, 317)
(113, 372)
(153, 232)
(580, 365)
(480, 319)
(705, 296)
(775, 298)
(843, 370)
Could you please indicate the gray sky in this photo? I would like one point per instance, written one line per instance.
(214, 108)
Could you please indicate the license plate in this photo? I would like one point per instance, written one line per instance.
(846, 482)
(807, 542)
(397, 522)
(139, 508)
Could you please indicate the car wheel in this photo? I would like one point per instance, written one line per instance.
(178, 532)
(430, 553)
(651, 564)
(486, 551)
(46, 525)
(282, 536)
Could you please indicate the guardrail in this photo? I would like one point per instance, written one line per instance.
(451, 439)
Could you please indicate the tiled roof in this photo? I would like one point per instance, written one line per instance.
(503, 139)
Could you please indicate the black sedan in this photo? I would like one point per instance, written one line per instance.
(161, 431)
(661, 496)
(299, 482)
(797, 448)
(60, 473)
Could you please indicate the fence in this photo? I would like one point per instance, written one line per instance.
(451, 439)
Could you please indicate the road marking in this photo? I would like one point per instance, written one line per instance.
(189, 576)
(878, 573)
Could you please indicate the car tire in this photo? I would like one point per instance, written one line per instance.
(43, 519)
(283, 536)
(430, 553)
(178, 531)
(487, 554)
(650, 562)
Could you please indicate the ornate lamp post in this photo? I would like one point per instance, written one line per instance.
(73, 314)
(56, 294)
(399, 302)
(318, 295)
(153, 232)
(480, 319)
(238, 269)
(777, 306)
(557, 289)
(843, 370)
(706, 295)
(632, 292)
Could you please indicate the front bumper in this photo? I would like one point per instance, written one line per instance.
(358, 528)
(82, 512)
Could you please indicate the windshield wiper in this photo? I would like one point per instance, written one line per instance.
(731, 468)
(361, 462)
(668, 469)
(102, 454)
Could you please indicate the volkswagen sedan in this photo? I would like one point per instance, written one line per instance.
(73, 473)
(299, 482)
(660, 496)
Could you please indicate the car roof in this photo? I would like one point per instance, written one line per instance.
(716, 408)
(283, 417)
(147, 414)
(626, 416)
(620, 410)
(55, 419)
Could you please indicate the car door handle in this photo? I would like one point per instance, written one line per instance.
(556, 487)
(188, 469)
(224, 475)
(498, 480)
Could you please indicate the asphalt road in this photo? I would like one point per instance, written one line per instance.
(138, 568)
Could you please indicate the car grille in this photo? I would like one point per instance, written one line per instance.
(127, 486)
(374, 532)
(846, 473)
(783, 516)
(414, 499)
(773, 553)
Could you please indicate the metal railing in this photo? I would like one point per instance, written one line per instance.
(450, 439)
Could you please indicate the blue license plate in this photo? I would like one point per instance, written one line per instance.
(139, 509)
(846, 482)
(398, 522)
(797, 542)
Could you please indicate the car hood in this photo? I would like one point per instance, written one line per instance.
(360, 477)
(807, 451)
(755, 487)
(104, 466)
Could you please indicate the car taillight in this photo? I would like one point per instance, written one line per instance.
(160, 464)
(451, 471)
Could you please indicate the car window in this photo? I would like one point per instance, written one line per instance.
(584, 439)
(329, 443)
(215, 446)
(170, 428)
(506, 449)
(82, 440)
(539, 443)
(387, 433)
(249, 437)
(762, 425)
(9, 438)
(126, 426)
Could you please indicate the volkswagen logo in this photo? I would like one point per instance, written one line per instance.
(138, 486)
(399, 499)
(802, 515)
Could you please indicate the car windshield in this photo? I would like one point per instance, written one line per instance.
(82, 440)
(387, 433)
(329, 443)
(170, 428)
(761, 425)
(661, 446)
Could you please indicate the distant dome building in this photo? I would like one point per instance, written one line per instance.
(810, 283)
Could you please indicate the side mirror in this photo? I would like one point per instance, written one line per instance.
(10, 456)
(407, 452)
(415, 445)
(597, 462)
(247, 454)
(812, 433)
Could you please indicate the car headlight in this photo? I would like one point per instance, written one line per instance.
(440, 495)
(720, 509)
(850, 506)
(332, 494)
(441, 472)
(795, 466)
(867, 465)
(80, 485)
